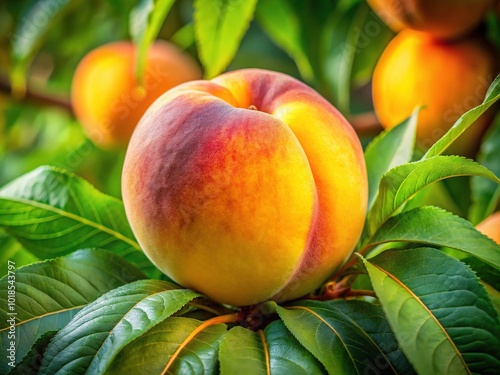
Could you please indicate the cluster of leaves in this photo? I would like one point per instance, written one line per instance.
(93, 303)
(96, 305)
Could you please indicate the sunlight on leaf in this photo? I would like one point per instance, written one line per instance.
(219, 27)
(146, 20)
(282, 24)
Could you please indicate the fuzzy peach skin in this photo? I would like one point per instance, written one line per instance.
(491, 227)
(445, 19)
(247, 187)
(447, 78)
(108, 99)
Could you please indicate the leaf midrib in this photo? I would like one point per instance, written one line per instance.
(431, 315)
(126, 315)
(394, 208)
(45, 315)
(367, 336)
(317, 316)
(265, 346)
(77, 218)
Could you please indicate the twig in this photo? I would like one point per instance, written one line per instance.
(36, 96)
(366, 124)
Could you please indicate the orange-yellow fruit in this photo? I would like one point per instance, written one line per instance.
(108, 99)
(448, 78)
(247, 187)
(445, 19)
(491, 227)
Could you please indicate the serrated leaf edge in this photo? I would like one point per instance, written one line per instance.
(410, 292)
(372, 231)
(127, 314)
(325, 323)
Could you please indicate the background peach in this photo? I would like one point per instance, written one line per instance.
(446, 19)
(447, 78)
(107, 97)
(491, 227)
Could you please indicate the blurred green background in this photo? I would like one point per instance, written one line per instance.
(331, 45)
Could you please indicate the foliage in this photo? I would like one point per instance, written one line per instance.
(420, 295)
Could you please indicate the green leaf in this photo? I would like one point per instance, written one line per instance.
(8, 248)
(466, 120)
(146, 20)
(342, 36)
(273, 350)
(494, 295)
(53, 212)
(485, 272)
(400, 184)
(438, 310)
(372, 320)
(390, 149)
(48, 294)
(287, 355)
(31, 362)
(30, 34)
(244, 349)
(12, 250)
(22, 257)
(336, 340)
(490, 278)
(111, 322)
(374, 38)
(434, 226)
(178, 345)
(219, 27)
(486, 193)
(283, 25)
(184, 37)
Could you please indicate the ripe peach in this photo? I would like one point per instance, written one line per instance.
(106, 96)
(491, 227)
(444, 19)
(448, 78)
(247, 187)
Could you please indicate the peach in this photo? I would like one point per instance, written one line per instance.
(445, 19)
(491, 227)
(108, 99)
(248, 187)
(448, 78)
